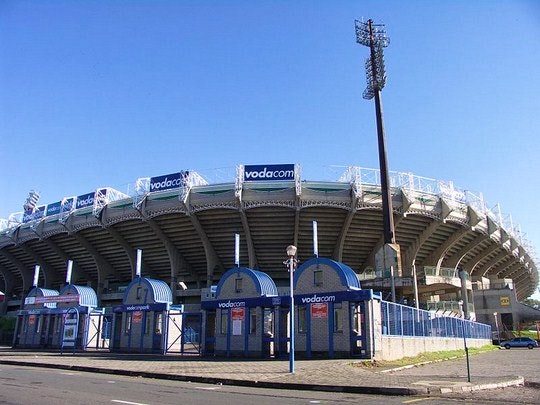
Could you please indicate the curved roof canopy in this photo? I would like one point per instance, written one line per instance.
(87, 295)
(159, 290)
(263, 282)
(346, 274)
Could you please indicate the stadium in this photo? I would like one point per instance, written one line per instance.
(452, 247)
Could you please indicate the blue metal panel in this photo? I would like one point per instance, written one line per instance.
(263, 282)
(346, 274)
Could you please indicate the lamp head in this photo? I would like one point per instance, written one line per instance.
(291, 250)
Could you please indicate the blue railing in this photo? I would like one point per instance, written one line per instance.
(401, 320)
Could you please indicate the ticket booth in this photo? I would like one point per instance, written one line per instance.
(240, 321)
(332, 311)
(34, 320)
(72, 327)
(140, 324)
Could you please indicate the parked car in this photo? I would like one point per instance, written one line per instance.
(519, 342)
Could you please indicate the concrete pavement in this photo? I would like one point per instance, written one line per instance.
(343, 375)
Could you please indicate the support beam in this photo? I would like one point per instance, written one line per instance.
(27, 274)
(176, 259)
(486, 267)
(77, 271)
(104, 269)
(131, 252)
(50, 277)
(457, 257)
(252, 256)
(474, 261)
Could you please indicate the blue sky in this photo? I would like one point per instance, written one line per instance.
(97, 94)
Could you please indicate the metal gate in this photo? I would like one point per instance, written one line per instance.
(99, 331)
(184, 333)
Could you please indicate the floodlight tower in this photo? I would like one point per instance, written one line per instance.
(374, 36)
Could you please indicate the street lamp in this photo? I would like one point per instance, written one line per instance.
(460, 302)
(497, 326)
(291, 253)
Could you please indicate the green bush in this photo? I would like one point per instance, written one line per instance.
(7, 323)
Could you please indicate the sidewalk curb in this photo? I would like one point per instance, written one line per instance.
(395, 391)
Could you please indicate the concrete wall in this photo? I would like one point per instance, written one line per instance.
(396, 347)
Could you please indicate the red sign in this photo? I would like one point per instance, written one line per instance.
(137, 316)
(238, 314)
(319, 310)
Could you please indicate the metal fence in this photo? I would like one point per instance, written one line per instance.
(401, 320)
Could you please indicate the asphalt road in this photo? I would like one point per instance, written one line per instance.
(28, 386)
(31, 385)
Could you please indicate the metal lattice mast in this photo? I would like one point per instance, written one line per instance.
(374, 36)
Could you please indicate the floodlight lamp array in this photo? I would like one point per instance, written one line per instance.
(375, 75)
(31, 200)
(369, 34)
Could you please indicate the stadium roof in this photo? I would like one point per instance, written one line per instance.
(187, 231)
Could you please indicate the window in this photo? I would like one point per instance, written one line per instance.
(302, 324)
(224, 321)
(139, 293)
(238, 285)
(147, 323)
(158, 323)
(268, 322)
(128, 323)
(252, 321)
(357, 321)
(338, 321)
(39, 324)
(318, 278)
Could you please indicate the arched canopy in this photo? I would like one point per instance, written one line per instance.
(264, 284)
(33, 298)
(347, 276)
(87, 295)
(159, 290)
(42, 292)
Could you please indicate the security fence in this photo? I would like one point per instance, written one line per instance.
(401, 320)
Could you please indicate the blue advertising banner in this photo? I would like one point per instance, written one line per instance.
(85, 200)
(38, 213)
(269, 172)
(54, 208)
(160, 306)
(68, 204)
(168, 181)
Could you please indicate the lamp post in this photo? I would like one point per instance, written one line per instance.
(497, 327)
(460, 302)
(291, 253)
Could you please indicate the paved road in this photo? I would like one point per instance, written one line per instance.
(22, 385)
(488, 371)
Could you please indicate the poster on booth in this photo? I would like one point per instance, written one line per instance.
(319, 310)
(71, 326)
(137, 316)
(237, 316)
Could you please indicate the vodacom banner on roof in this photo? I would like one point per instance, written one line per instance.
(283, 172)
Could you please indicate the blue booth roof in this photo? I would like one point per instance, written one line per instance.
(263, 282)
(87, 295)
(160, 290)
(346, 274)
(42, 292)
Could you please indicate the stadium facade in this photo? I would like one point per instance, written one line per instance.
(452, 247)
